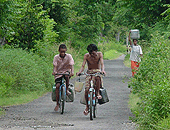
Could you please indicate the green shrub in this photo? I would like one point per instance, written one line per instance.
(6, 82)
(164, 124)
(151, 83)
(22, 71)
(111, 45)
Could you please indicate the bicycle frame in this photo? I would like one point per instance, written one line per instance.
(91, 89)
(62, 93)
(92, 96)
(60, 88)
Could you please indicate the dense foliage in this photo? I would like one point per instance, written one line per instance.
(22, 72)
(152, 84)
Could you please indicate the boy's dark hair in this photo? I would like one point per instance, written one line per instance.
(135, 39)
(63, 46)
(92, 47)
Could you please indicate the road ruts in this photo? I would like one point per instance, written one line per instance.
(114, 115)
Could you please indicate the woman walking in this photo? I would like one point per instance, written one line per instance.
(136, 53)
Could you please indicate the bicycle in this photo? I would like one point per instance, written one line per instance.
(92, 96)
(62, 92)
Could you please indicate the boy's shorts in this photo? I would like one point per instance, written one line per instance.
(89, 78)
(58, 80)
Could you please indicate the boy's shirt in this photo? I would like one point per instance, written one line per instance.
(62, 65)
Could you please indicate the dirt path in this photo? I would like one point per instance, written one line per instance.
(39, 114)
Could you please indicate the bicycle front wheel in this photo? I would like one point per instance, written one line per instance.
(63, 95)
(91, 105)
(94, 111)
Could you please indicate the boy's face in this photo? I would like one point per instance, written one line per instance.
(93, 53)
(62, 52)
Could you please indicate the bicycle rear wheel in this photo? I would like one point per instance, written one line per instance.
(62, 102)
(91, 105)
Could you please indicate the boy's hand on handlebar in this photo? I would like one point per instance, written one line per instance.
(103, 72)
(78, 73)
(53, 73)
(72, 74)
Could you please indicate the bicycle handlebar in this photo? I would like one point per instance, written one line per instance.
(95, 74)
(62, 74)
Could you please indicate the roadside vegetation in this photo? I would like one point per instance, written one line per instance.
(152, 85)
(32, 30)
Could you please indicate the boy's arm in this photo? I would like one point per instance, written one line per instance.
(83, 65)
(72, 70)
(130, 39)
(71, 62)
(54, 70)
(54, 66)
(102, 64)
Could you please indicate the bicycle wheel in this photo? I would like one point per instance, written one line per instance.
(94, 107)
(94, 111)
(91, 105)
(62, 102)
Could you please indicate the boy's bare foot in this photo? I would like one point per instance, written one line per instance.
(56, 108)
(99, 96)
(86, 112)
(68, 92)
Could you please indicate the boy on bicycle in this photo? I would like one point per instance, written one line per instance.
(95, 64)
(63, 63)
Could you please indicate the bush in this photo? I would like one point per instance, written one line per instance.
(22, 71)
(151, 83)
(164, 124)
(111, 45)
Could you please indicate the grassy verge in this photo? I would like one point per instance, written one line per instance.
(21, 99)
(151, 84)
(133, 100)
(164, 124)
(2, 112)
(112, 54)
(127, 62)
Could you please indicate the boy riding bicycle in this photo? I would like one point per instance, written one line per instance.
(63, 63)
(94, 61)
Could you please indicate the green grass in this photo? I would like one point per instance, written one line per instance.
(21, 99)
(164, 124)
(111, 54)
(127, 62)
(133, 100)
(2, 111)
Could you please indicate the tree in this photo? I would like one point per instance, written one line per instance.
(4, 22)
(26, 23)
(149, 11)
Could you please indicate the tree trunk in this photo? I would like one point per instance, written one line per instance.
(118, 36)
(2, 41)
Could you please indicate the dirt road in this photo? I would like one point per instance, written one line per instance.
(114, 115)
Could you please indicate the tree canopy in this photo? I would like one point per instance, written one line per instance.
(26, 23)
